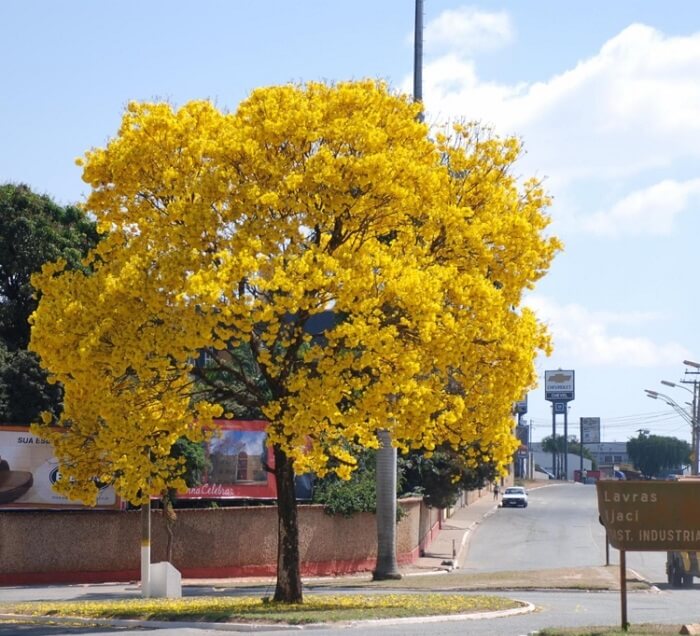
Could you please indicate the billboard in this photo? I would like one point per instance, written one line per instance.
(522, 432)
(520, 407)
(238, 456)
(558, 386)
(590, 430)
(28, 470)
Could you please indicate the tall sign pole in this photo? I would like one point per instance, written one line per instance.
(522, 432)
(566, 443)
(580, 450)
(554, 442)
(559, 390)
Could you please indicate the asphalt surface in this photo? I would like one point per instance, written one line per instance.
(450, 549)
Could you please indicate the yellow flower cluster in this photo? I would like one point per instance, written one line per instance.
(316, 608)
(229, 229)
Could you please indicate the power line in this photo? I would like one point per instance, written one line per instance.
(664, 422)
(626, 420)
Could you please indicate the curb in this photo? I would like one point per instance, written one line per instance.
(467, 533)
(122, 622)
(652, 587)
(526, 608)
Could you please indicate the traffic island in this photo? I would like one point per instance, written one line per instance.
(315, 609)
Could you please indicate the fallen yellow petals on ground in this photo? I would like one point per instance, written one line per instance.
(316, 608)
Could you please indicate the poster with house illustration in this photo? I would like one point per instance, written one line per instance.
(238, 457)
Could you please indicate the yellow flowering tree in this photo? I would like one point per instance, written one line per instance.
(236, 232)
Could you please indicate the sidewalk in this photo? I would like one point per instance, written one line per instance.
(446, 553)
(449, 548)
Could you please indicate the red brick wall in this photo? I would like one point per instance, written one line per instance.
(90, 546)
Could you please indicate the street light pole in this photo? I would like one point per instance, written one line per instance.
(695, 438)
(655, 395)
(691, 418)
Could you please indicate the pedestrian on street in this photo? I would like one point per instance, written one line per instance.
(496, 490)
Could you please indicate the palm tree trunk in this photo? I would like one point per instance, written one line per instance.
(387, 567)
(288, 589)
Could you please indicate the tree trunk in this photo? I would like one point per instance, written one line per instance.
(288, 589)
(387, 567)
(171, 541)
(169, 517)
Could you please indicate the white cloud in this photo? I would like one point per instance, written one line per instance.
(466, 29)
(631, 107)
(583, 335)
(652, 210)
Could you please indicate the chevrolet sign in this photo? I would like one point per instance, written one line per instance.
(559, 386)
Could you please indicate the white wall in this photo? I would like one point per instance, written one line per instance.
(574, 462)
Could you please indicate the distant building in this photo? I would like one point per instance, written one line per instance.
(544, 460)
(609, 454)
(604, 453)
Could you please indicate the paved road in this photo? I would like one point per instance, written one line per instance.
(559, 529)
(555, 609)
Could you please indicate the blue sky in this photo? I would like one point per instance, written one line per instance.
(605, 96)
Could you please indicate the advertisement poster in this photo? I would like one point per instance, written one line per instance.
(28, 469)
(590, 430)
(237, 454)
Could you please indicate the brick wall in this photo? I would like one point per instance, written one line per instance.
(92, 546)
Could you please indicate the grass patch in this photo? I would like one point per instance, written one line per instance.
(314, 609)
(645, 629)
(591, 578)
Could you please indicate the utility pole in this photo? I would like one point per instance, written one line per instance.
(695, 412)
(418, 56)
(387, 567)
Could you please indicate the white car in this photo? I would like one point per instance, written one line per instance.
(514, 496)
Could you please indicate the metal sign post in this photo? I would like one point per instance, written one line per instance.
(566, 444)
(554, 442)
(623, 591)
(559, 390)
(580, 450)
(649, 516)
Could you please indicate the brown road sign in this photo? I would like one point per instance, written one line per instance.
(651, 515)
